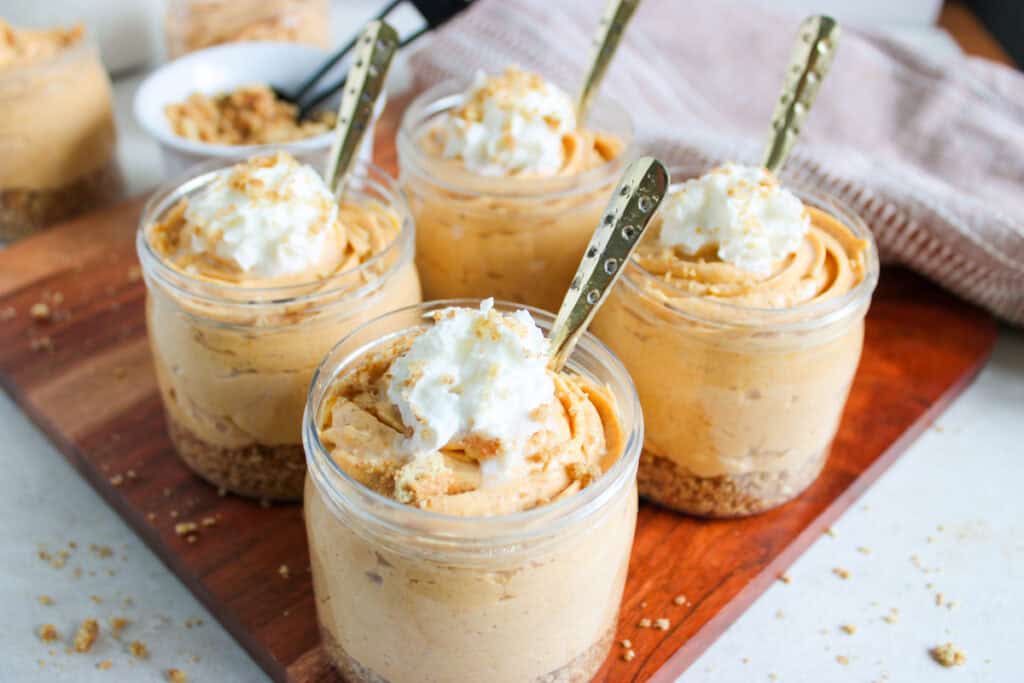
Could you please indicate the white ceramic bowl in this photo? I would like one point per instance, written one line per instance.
(223, 68)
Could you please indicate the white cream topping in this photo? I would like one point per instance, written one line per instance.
(474, 374)
(269, 216)
(510, 123)
(743, 210)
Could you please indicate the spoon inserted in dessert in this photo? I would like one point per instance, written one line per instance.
(613, 23)
(812, 57)
(633, 204)
(375, 49)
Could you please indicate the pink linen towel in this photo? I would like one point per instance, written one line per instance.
(930, 154)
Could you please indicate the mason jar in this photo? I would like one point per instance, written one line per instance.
(741, 403)
(517, 239)
(405, 594)
(57, 140)
(194, 24)
(234, 363)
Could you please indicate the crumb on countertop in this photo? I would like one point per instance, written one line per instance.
(48, 633)
(949, 655)
(87, 634)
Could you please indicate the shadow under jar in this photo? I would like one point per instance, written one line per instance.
(741, 404)
(234, 363)
(406, 595)
(57, 139)
(514, 238)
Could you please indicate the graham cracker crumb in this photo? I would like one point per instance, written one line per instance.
(892, 617)
(938, 599)
(104, 665)
(45, 600)
(103, 551)
(627, 643)
(949, 655)
(841, 573)
(86, 636)
(864, 550)
(283, 571)
(779, 614)
(176, 676)
(662, 624)
(185, 528)
(48, 633)
(138, 649)
(118, 624)
(849, 629)
(644, 623)
(96, 599)
(843, 659)
(785, 578)
(40, 311)
(679, 600)
(831, 532)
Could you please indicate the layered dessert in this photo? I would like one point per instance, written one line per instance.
(56, 129)
(250, 115)
(253, 274)
(463, 428)
(506, 185)
(195, 24)
(741, 322)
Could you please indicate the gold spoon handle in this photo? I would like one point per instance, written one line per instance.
(631, 208)
(613, 24)
(812, 57)
(374, 51)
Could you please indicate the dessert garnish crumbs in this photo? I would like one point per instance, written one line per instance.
(628, 655)
(173, 514)
(849, 629)
(831, 532)
(117, 480)
(938, 599)
(118, 624)
(627, 643)
(843, 659)
(86, 636)
(45, 600)
(283, 571)
(841, 573)
(138, 649)
(96, 599)
(103, 551)
(48, 633)
(662, 624)
(892, 617)
(864, 550)
(40, 311)
(785, 578)
(176, 676)
(949, 655)
(679, 600)
(644, 623)
(104, 665)
(779, 614)
(209, 521)
(185, 528)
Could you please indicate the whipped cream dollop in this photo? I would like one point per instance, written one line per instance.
(742, 210)
(475, 374)
(270, 216)
(510, 123)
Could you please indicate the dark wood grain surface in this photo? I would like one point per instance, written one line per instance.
(85, 378)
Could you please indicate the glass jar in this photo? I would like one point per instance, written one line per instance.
(57, 140)
(518, 239)
(741, 404)
(194, 24)
(405, 594)
(234, 363)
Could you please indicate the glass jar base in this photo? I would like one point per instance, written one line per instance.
(255, 471)
(24, 211)
(667, 483)
(583, 667)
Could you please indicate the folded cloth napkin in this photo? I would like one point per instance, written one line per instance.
(931, 155)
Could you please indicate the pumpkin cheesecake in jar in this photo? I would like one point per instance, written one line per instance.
(506, 185)
(741, 320)
(196, 24)
(57, 139)
(254, 272)
(470, 512)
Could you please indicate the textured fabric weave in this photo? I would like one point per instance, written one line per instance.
(930, 155)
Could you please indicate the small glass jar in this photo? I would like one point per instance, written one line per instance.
(405, 594)
(194, 24)
(517, 239)
(741, 404)
(234, 363)
(57, 140)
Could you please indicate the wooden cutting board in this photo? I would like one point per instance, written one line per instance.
(85, 378)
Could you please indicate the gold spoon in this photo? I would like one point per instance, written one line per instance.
(812, 57)
(613, 23)
(375, 49)
(634, 203)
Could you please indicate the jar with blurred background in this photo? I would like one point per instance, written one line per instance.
(195, 24)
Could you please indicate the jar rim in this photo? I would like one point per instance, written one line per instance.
(191, 287)
(448, 94)
(458, 532)
(813, 315)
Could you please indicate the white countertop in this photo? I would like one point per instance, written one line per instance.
(952, 502)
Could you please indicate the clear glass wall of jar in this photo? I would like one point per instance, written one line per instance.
(194, 24)
(57, 140)
(234, 363)
(405, 594)
(517, 239)
(741, 404)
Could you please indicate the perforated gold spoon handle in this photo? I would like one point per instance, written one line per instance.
(812, 57)
(613, 23)
(631, 208)
(374, 51)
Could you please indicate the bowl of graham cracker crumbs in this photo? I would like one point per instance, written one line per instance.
(219, 103)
